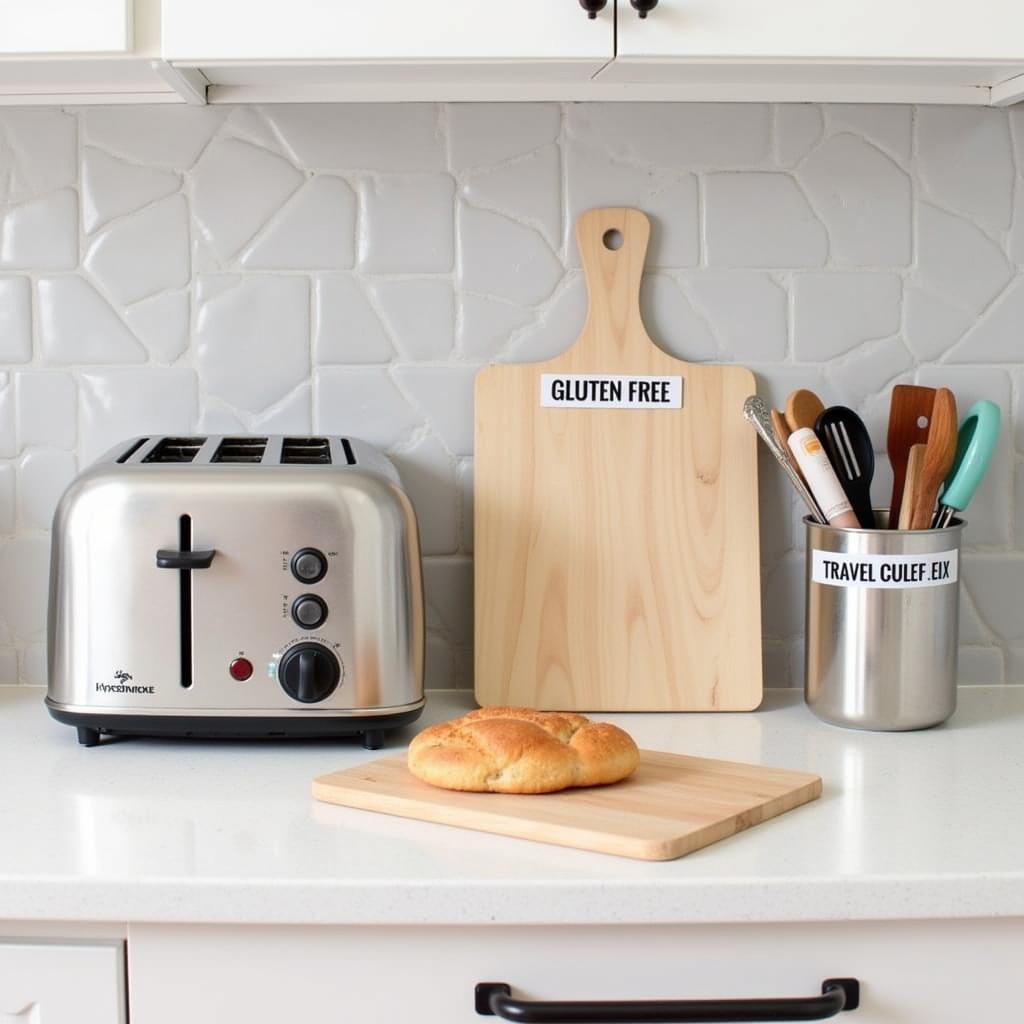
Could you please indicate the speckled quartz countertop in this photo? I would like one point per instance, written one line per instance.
(910, 825)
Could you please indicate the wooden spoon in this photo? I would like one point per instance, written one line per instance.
(803, 408)
(782, 432)
(909, 404)
(939, 453)
(915, 462)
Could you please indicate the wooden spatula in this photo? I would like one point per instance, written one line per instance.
(939, 453)
(915, 463)
(910, 415)
(803, 408)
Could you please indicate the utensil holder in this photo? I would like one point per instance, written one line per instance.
(882, 616)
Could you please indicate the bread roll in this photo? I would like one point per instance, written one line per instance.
(517, 750)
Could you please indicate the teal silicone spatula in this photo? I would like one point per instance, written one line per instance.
(975, 442)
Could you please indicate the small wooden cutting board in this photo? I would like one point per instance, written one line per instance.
(670, 806)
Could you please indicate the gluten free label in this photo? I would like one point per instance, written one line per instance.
(609, 391)
(885, 572)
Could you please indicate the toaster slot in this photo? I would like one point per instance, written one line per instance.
(175, 449)
(126, 455)
(305, 451)
(185, 598)
(240, 449)
(185, 561)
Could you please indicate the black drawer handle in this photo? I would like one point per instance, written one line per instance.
(184, 559)
(494, 999)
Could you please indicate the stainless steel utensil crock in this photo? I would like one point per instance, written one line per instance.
(881, 625)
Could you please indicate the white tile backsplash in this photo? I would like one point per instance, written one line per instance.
(502, 257)
(347, 268)
(235, 188)
(957, 261)
(760, 219)
(111, 187)
(314, 230)
(251, 337)
(77, 325)
(42, 478)
(863, 198)
(15, 319)
(112, 257)
(47, 409)
(347, 327)
(41, 234)
(408, 224)
(833, 313)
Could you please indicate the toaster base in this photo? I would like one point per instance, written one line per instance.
(92, 725)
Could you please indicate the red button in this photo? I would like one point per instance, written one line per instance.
(240, 669)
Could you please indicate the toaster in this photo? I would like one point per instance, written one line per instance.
(236, 586)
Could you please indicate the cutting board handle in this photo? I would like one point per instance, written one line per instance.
(613, 246)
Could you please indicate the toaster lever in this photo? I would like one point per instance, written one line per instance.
(184, 559)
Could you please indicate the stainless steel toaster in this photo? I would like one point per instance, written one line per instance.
(236, 586)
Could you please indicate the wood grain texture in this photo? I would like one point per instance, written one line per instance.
(939, 453)
(911, 482)
(909, 403)
(616, 550)
(782, 432)
(671, 806)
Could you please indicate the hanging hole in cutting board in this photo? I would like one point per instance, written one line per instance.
(922, 422)
(613, 239)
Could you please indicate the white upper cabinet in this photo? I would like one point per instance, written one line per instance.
(84, 51)
(316, 43)
(814, 49)
(65, 26)
(236, 51)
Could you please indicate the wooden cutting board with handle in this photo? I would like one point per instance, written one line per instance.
(616, 515)
(670, 806)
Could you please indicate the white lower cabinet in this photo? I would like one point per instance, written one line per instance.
(923, 972)
(52, 982)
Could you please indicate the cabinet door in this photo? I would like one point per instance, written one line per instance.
(62, 983)
(65, 26)
(935, 30)
(555, 35)
(927, 972)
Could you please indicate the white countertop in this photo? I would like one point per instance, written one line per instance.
(910, 825)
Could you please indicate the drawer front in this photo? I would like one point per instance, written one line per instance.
(929, 972)
(50, 982)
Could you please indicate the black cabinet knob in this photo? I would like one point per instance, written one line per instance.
(309, 673)
(642, 7)
(593, 6)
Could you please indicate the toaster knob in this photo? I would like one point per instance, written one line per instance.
(309, 565)
(309, 673)
(309, 611)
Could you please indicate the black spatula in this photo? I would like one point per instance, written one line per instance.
(848, 444)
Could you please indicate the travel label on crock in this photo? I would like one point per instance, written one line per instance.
(885, 571)
(609, 391)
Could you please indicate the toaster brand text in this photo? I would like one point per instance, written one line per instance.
(610, 391)
(123, 684)
(885, 571)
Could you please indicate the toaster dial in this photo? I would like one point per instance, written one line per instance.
(309, 673)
